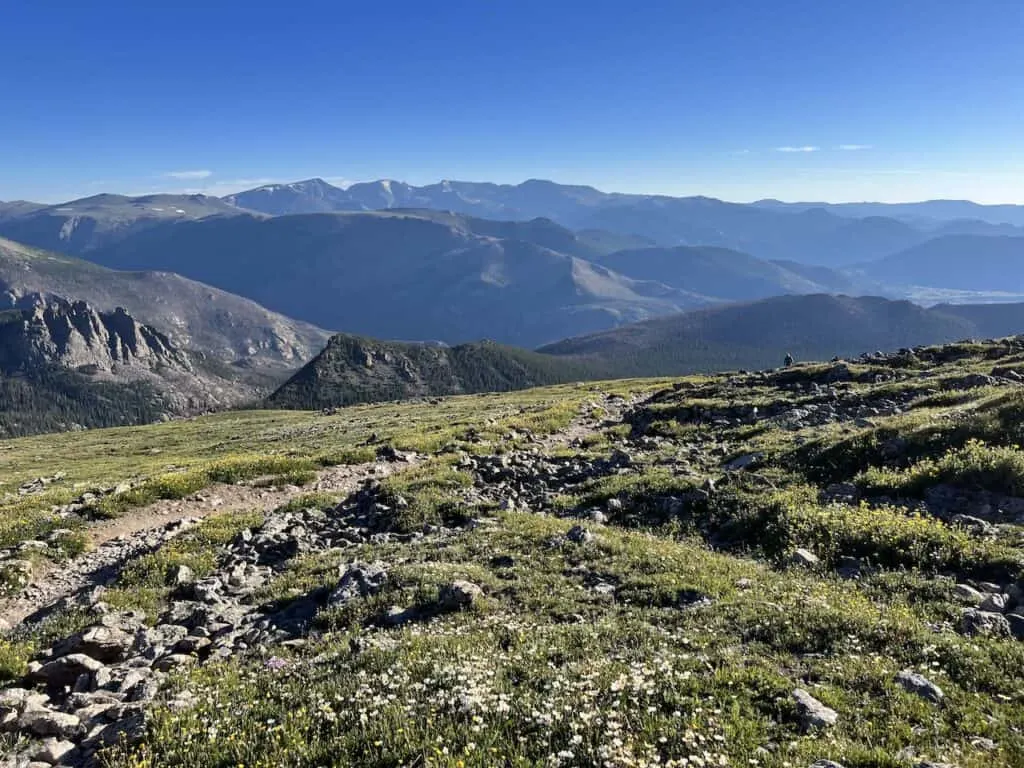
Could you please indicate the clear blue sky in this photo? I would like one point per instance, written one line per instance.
(676, 97)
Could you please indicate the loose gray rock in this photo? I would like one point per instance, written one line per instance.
(52, 751)
(986, 623)
(813, 714)
(975, 525)
(181, 575)
(965, 593)
(65, 670)
(825, 764)
(458, 595)
(103, 643)
(359, 580)
(579, 535)
(396, 617)
(168, 663)
(994, 603)
(44, 722)
(742, 462)
(919, 684)
(804, 558)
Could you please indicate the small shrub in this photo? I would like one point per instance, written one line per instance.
(14, 656)
(999, 469)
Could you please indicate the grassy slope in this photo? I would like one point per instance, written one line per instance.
(546, 671)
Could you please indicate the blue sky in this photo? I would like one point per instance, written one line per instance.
(876, 100)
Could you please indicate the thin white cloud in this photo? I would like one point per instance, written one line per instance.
(854, 147)
(185, 175)
(741, 152)
(806, 148)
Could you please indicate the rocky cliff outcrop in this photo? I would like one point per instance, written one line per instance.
(75, 335)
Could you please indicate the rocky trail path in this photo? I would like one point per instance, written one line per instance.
(92, 689)
(116, 542)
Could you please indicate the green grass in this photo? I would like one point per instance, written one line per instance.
(678, 632)
(637, 676)
(175, 459)
(426, 495)
(974, 466)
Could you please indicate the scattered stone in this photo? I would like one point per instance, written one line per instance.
(825, 764)
(974, 524)
(745, 461)
(965, 593)
(986, 623)
(181, 575)
(921, 685)
(579, 535)
(167, 663)
(458, 595)
(994, 603)
(359, 580)
(804, 558)
(396, 616)
(813, 714)
(43, 722)
(64, 671)
(103, 643)
(52, 751)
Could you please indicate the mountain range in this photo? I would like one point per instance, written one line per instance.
(835, 235)
(752, 335)
(195, 317)
(235, 293)
(407, 275)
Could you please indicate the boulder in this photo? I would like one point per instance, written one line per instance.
(919, 684)
(965, 593)
(180, 575)
(359, 580)
(458, 595)
(44, 722)
(804, 558)
(994, 603)
(52, 751)
(167, 663)
(66, 670)
(579, 535)
(103, 643)
(813, 714)
(986, 623)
